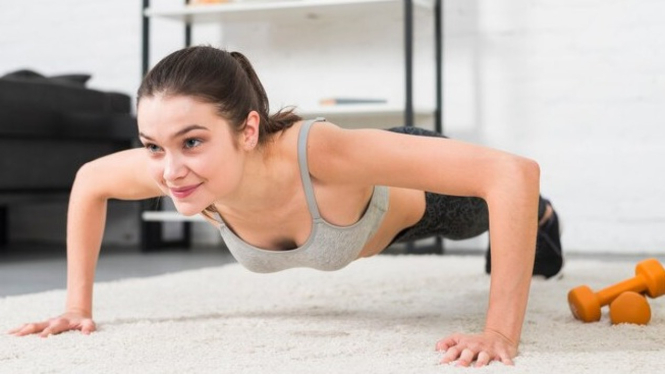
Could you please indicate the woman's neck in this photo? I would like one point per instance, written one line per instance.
(270, 181)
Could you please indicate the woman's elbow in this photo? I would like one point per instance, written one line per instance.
(531, 168)
(87, 182)
(527, 172)
(85, 173)
(513, 172)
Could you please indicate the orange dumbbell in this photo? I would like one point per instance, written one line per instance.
(649, 279)
(630, 307)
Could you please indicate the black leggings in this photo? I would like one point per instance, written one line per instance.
(451, 217)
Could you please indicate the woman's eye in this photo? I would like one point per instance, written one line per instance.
(191, 143)
(152, 148)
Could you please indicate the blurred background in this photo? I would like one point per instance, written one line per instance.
(578, 85)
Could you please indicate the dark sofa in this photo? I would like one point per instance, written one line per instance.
(49, 127)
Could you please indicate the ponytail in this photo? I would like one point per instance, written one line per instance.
(269, 124)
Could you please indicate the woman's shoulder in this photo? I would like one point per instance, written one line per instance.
(327, 146)
(320, 135)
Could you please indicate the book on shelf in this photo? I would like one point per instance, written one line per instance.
(350, 101)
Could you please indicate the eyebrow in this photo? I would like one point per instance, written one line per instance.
(179, 133)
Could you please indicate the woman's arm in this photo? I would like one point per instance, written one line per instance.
(508, 183)
(120, 175)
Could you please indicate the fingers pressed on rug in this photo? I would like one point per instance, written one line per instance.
(30, 328)
(482, 349)
(57, 325)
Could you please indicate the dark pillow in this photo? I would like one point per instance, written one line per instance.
(78, 80)
(23, 74)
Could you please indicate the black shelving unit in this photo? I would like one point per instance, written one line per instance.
(152, 230)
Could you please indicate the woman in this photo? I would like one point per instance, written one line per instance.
(286, 192)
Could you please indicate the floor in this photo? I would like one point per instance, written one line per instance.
(29, 268)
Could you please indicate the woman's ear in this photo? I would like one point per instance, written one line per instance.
(251, 130)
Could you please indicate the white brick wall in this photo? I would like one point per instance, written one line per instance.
(579, 86)
(53, 37)
(576, 84)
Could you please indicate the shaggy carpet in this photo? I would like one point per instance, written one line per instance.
(378, 315)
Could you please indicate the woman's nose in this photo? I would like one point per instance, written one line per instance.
(174, 168)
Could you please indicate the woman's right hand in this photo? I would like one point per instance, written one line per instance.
(65, 322)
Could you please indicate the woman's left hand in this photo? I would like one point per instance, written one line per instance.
(481, 348)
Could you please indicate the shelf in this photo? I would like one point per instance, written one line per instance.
(271, 10)
(169, 216)
(360, 110)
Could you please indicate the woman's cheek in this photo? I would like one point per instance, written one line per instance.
(156, 172)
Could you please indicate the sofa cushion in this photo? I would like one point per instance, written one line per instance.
(61, 93)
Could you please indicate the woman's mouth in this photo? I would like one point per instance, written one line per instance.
(183, 192)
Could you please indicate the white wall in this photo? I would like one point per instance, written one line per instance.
(576, 84)
(579, 86)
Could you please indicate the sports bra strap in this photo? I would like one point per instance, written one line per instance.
(304, 168)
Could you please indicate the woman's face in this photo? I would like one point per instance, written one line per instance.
(193, 154)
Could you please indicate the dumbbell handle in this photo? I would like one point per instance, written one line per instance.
(607, 295)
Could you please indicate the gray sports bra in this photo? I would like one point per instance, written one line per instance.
(329, 247)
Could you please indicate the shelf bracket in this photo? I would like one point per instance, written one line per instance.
(408, 62)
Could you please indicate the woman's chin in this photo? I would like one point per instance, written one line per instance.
(188, 210)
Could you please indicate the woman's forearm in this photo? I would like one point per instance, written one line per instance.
(513, 224)
(86, 219)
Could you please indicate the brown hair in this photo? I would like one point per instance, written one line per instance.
(224, 79)
(215, 76)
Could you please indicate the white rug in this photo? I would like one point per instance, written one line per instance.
(378, 315)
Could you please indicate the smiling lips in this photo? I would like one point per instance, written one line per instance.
(183, 192)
